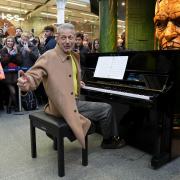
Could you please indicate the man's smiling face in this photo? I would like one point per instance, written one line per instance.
(66, 40)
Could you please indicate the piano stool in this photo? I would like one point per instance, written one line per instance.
(58, 129)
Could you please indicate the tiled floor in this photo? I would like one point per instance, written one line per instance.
(16, 163)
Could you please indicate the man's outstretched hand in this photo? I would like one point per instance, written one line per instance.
(23, 81)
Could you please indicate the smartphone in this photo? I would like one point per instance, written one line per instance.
(25, 45)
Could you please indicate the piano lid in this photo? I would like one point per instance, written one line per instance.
(145, 69)
(149, 61)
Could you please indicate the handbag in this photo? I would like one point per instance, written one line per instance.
(2, 76)
(29, 101)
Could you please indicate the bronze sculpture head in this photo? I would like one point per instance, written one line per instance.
(167, 23)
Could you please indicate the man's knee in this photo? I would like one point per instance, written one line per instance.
(107, 107)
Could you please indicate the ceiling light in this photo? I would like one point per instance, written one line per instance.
(49, 14)
(13, 9)
(89, 14)
(77, 4)
(20, 2)
(123, 3)
(22, 19)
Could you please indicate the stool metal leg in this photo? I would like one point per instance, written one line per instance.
(55, 144)
(60, 148)
(33, 140)
(19, 96)
(85, 153)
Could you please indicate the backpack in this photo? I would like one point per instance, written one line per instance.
(29, 101)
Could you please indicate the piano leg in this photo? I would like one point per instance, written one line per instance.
(162, 136)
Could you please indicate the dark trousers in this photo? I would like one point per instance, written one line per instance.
(101, 115)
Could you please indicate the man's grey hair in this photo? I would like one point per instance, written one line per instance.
(65, 26)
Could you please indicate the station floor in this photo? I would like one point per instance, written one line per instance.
(16, 163)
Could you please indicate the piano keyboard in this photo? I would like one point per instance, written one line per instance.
(139, 96)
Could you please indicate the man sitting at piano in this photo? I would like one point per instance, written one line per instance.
(59, 70)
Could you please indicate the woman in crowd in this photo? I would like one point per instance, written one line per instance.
(10, 60)
(95, 47)
(121, 42)
(38, 44)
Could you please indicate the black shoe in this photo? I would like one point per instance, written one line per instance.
(114, 143)
(16, 109)
(1, 107)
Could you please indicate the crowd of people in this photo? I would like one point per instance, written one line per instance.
(22, 50)
(41, 61)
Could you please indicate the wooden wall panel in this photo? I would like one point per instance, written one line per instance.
(139, 24)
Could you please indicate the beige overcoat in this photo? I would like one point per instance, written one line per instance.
(54, 69)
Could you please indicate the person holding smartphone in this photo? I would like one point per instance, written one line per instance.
(28, 50)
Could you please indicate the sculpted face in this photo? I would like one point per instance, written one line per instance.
(167, 23)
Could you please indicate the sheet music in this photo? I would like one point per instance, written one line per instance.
(112, 67)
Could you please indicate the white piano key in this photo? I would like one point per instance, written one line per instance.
(139, 96)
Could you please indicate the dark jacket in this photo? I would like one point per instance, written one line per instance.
(83, 51)
(17, 39)
(50, 43)
(8, 62)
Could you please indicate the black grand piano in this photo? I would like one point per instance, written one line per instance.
(145, 100)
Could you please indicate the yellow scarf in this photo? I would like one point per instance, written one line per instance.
(74, 70)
